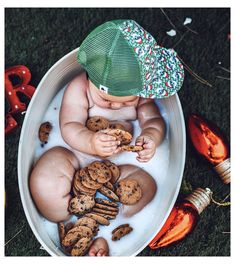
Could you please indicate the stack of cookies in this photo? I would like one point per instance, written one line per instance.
(91, 178)
(104, 209)
(117, 130)
(77, 238)
(97, 176)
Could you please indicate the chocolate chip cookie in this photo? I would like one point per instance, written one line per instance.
(79, 187)
(81, 246)
(44, 132)
(128, 191)
(114, 170)
(109, 185)
(100, 219)
(131, 148)
(99, 172)
(107, 216)
(61, 229)
(89, 222)
(87, 181)
(81, 204)
(116, 126)
(106, 202)
(121, 135)
(108, 193)
(75, 234)
(104, 211)
(106, 207)
(121, 231)
(69, 226)
(97, 123)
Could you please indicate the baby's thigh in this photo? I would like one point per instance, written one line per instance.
(147, 184)
(50, 182)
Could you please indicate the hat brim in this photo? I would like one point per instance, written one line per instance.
(163, 76)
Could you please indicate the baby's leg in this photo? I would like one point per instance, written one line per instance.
(99, 248)
(50, 183)
(147, 184)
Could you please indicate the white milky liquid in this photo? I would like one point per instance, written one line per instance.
(156, 167)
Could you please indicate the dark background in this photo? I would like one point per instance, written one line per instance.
(38, 38)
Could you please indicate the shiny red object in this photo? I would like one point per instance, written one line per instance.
(180, 223)
(207, 139)
(22, 73)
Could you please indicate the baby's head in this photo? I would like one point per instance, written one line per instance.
(123, 60)
(105, 100)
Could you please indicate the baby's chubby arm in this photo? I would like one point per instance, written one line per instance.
(153, 129)
(73, 117)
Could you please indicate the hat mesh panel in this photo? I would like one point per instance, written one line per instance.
(110, 61)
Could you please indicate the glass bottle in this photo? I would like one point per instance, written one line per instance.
(182, 219)
(209, 141)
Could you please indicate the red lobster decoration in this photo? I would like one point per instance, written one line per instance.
(12, 91)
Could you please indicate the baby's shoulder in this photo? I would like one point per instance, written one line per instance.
(80, 82)
(76, 91)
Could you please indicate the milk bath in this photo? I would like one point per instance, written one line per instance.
(157, 167)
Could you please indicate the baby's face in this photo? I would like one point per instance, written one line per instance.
(109, 101)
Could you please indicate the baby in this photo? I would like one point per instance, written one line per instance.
(82, 100)
(125, 71)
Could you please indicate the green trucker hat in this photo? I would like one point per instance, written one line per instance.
(121, 59)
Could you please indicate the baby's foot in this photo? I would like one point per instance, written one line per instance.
(99, 248)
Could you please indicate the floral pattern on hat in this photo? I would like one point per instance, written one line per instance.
(162, 72)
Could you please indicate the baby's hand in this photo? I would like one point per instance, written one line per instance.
(149, 146)
(104, 145)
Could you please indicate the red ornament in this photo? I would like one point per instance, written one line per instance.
(211, 144)
(11, 93)
(182, 219)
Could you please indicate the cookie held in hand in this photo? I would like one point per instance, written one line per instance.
(131, 148)
(121, 135)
